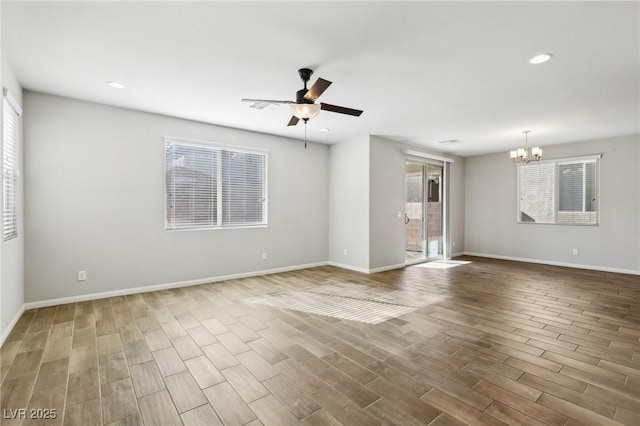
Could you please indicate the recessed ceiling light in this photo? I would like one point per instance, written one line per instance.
(115, 85)
(539, 59)
(325, 130)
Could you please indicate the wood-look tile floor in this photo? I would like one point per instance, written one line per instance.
(509, 343)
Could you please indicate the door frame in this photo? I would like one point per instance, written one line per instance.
(417, 157)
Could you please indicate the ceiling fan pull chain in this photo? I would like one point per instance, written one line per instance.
(305, 134)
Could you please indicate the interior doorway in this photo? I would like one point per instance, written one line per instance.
(424, 211)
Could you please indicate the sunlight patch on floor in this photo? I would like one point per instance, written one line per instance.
(351, 301)
(442, 264)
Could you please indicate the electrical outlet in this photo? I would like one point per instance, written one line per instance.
(82, 275)
(453, 244)
(264, 256)
(575, 252)
(345, 252)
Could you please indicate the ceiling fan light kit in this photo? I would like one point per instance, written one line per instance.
(304, 108)
(305, 111)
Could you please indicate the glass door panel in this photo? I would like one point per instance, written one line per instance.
(414, 213)
(434, 211)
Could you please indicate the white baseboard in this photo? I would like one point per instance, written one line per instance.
(365, 270)
(553, 263)
(349, 267)
(166, 286)
(387, 268)
(12, 323)
(458, 254)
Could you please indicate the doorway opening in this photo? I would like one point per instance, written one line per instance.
(424, 211)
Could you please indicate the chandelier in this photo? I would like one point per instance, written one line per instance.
(522, 155)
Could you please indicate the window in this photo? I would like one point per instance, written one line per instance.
(214, 186)
(559, 191)
(10, 139)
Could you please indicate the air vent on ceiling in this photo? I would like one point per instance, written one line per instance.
(449, 142)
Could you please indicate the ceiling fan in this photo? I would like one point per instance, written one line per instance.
(304, 106)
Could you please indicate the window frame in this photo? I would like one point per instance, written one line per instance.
(556, 189)
(219, 147)
(9, 103)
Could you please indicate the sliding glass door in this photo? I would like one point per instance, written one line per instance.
(424, 211)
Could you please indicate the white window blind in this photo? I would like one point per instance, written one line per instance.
(214, 186)
(10, 130)
(559, 191)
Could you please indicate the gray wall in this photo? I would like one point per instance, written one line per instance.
(95, 201)
(387, 197)
(457, 205)
(490, 214)
(349, 203)
(366, 191)
(12, 251)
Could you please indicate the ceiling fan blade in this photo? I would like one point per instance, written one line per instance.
(269, 101)
(340, 110)
(294, 120)
(317, 89)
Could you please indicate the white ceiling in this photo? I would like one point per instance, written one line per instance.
(423, 72)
